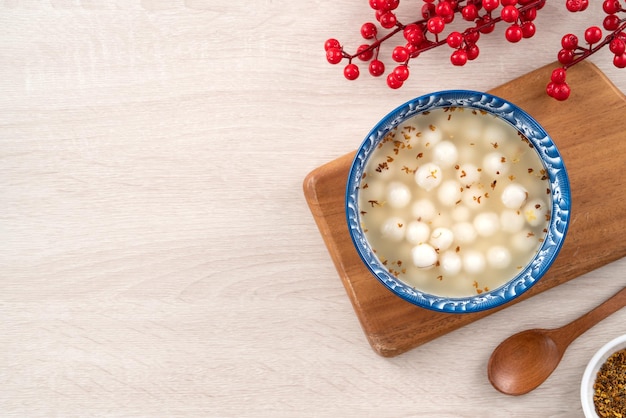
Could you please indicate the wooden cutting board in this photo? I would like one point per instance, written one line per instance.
(589, 130)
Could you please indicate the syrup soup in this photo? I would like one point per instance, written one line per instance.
(454, 202)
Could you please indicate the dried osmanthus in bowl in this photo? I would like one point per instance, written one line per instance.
(610, 387)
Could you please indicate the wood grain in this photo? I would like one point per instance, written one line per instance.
(157, 256)
(593, 149)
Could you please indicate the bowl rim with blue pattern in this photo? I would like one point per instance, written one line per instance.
(559, 190)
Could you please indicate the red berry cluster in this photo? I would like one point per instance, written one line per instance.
(436, 16)
(426, 33)
(572, 53)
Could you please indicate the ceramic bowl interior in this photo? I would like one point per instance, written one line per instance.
(589, 376)
(558, 185)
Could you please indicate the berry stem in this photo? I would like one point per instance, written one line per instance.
(478, 28)
(375, 46)
(482, 16)
(592, 50)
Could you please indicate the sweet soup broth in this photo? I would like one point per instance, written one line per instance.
(454, 202)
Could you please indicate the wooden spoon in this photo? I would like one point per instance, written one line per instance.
(525, 360)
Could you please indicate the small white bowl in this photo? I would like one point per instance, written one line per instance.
(589, 377)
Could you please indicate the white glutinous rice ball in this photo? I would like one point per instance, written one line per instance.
(464, 232)
(468, 174)
(432, 136)
(487, 223)
(473, 262)
(441, 220)
(417, 232)
(428, 176)
(424, 256)
(445, 154)
(471, 128)
(441, 238)
(514, 195)
(498, 257)
(382, 168)
(398, 194)
(495, 134)
(511, 220)
(449, 193)
(535, 212)
(461, 213)
(450, 263)
(393, 229)
(423, 210)
(374, 187)
(495, 164)
(410, 134)
(524, 240)
(473, 198)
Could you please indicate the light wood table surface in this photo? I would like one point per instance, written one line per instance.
(158, 258)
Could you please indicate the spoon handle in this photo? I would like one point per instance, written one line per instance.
(569, 332)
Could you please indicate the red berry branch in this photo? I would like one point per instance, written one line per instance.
(427, 33)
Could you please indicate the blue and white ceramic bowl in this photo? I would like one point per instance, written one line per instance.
(558, 190)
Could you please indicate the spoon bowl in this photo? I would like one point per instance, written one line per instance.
(506, 374)
(525, 360)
